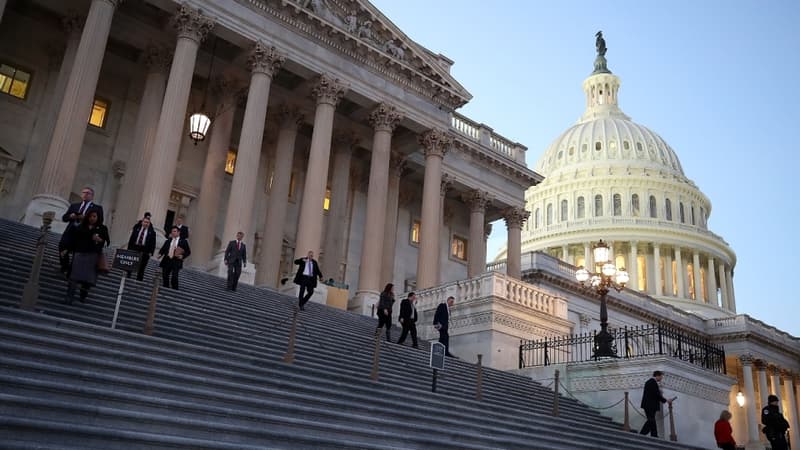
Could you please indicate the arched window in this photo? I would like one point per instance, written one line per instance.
(702, 216)
(653, 208)
(635, 205)
(598, 205)
(693, 222)
(564, 210)
(668, 205)
(537, 218)
(617, 205)
(580, 212)
(682, 212)
(549, 214)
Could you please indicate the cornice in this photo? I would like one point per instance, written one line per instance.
(495, 161)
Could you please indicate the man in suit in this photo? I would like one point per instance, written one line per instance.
(775, 425)
(235, 259)
(307, 275)
(408, 319)
(182, 229)
(142, 240)
(172, 253)
(73, 218)
(441, 321)
(651, 403)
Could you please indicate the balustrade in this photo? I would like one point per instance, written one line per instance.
(496, 143)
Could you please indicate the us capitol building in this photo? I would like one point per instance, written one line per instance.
(319, 125)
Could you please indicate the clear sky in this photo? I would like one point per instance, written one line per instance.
(718, 80)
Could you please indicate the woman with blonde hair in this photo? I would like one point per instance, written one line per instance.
(723, 432)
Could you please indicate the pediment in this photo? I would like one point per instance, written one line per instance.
(358, 29)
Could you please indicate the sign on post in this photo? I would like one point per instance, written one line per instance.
(437, 361)
(127, 261)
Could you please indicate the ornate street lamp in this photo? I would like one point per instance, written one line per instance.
(740, 399)
(607, 276)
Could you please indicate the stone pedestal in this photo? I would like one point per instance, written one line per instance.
(47, 203)
(364, 303)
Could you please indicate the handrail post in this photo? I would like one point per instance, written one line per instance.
(555, 393)
(627, 424)
(31, 293)
(672, 435)
(479, 381)
(376, 355)
(288, 358)
(151, 309)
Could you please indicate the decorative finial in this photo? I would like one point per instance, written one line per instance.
(600, 63)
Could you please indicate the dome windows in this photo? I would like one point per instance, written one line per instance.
(560, 154)
(564, 210)
(635, 205)
(617, 200)
(580, 212)
(639, 148)
(682, 213)
(668, 206)
(598, 146)
(584, 147)
(571, 150)
(612, 145)
(598, 205)
(653, 208)
(549, 214)
(537, 218)
(626, 145)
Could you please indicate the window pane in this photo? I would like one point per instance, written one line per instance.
(19, 88)
(598, 205)
(549, 214)
(230, 163)
(564, 210)
(581, 208)
(653, 209)
(415, 232)
(617, 205)
(635, 205)
(98, 116)
(326, 204)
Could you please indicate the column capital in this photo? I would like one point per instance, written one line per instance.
(385, 117)
(477, 200)
(435, 142)
(265, 59)
(760, 364)
(787, 375)
(190, 23)
(446, 184)
(73, 23)
(397, 164)
(776, 371)
(329, 90)
(157, 58)
(747, 360)
(289, 116)
(515, 216)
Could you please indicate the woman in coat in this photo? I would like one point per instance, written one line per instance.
(88, 241)
(385, 310)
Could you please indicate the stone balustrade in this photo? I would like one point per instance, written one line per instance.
(486, 137)
(594, 222)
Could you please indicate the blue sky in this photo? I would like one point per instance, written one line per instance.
(716, 79)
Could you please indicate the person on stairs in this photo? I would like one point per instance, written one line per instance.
(172, 254)
(385, 303)
(74, 216)
(408, 319)
(441, 321)
(182, 229)
(306, 277)
(652, 398)
(142, 240)
(235, 259)
(86, 244)
(723, 432)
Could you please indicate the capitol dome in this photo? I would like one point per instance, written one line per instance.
(609, 178)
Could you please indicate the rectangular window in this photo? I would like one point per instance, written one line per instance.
(99, 113)
(458, 248)
(230, 162)
(326, 204)
(14, 81)
(415, 226)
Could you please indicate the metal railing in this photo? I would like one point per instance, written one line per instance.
(629, 343)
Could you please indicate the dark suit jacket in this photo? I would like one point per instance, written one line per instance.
(149, 245)
(71, 225)
(651, 397)
(234, 255)
(184, 231)
(177, 261)
(441, 316)
(406, 311)
(301, 266)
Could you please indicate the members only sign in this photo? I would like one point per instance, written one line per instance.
(127, 260)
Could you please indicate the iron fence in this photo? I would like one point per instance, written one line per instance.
(629, 343)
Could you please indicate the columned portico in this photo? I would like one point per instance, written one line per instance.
(328, 92)
(698, 291)
(711, 281)
(209, 208)
(515, 217)
(658, 288)
(396, 167)
(723, 287)
(61, 165)
(680, 274)
(157, 60)
(264, 62)
(751, 406)
(192, 28)
(435, 144)
(384, 119)
(268, 272)
(633, 268)
(587, 256)
(335, 259)
(477, 201)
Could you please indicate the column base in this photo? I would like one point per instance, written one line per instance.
(364, 303)
(42, 203)
(320, 292)
(217, 267)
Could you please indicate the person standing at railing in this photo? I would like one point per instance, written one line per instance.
(385, 304)
(408, 319)
(723, 433)
(441, 321)
(651, 403)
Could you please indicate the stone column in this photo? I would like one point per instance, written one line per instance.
(711, 282)
(681, 275)
(226, 91)
(698, 293)
(477, 201)
(723, 288)
(790, 405)
(763, 388)
(657, 273)
(729, 280)
(336, 242)
(63, 154)
(397, 165)
(435, 144)
(487, 230)
(268, 272)
(751, 405)
(565, 254)
(775, 380)
(264, 62)
(587, 257)
(60, 68)
(515, 217)
(444, 187)
(384, 120)
(192, 28)
(328, 92)
(633, 270)
(157, 60)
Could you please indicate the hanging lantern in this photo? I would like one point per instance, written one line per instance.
(198, 126)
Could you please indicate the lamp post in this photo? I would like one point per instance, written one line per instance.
(607, 276)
